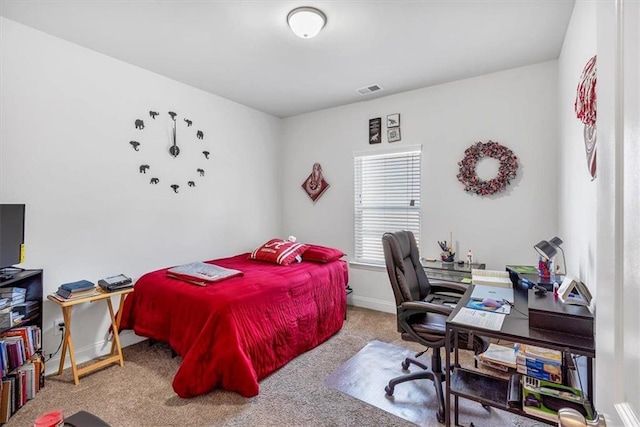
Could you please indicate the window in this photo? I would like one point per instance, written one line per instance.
(387, 198)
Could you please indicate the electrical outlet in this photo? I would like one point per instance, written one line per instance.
(58, 327)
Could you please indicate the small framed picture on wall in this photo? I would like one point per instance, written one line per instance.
(393, 120)
(375, 129)
(393, 134)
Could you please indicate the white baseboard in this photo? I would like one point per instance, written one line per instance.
(370, 303)
(85, 354)
(627, 414)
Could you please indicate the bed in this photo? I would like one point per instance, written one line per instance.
(235, 332)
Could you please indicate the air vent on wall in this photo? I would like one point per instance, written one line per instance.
(368, 89)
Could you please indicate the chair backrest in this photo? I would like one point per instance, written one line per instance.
(408, 279)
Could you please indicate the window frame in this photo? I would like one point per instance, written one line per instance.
(386, 202)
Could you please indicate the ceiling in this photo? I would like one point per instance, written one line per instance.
(244, 51)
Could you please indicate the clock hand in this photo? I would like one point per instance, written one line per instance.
(174, 150)
(174, 135)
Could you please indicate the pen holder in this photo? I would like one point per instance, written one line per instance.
(544, 269)
(447, 256)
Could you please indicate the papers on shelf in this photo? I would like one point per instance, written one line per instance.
(499, 355)
(491, 278)
(479, 318)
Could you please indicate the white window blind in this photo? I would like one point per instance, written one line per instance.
(387, 198)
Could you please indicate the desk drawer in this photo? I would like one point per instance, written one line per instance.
(548, 312)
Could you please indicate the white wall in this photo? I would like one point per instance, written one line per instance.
(517, 108)
(67, 117)
(599, 218)
(577, 196)
(577, 229)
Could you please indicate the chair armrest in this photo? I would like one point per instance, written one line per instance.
(425, 307)
(439, 286)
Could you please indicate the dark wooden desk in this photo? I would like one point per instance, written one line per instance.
(492, 391)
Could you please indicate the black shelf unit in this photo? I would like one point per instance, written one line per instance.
(32, 281)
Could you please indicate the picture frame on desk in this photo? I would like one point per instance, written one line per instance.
(574, 292)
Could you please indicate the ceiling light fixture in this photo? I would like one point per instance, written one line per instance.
(306, 22)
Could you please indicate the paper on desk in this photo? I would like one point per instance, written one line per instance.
(479, 318)
(478, 305)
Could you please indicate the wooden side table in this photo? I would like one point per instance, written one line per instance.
(115, 356)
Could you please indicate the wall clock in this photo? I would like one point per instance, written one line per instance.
(177, 146)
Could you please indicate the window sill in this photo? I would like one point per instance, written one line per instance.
(365, 266)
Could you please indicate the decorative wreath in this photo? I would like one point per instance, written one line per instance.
(506, 171)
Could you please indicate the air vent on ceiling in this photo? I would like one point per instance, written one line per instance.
(368, 89)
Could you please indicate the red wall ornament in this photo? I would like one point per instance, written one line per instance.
(315, 185)
(585, 108)
(506, 172)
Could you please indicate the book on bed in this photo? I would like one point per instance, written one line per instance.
(201, 273)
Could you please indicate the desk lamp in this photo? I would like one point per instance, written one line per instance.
(556, 242)
(549, 249)
(546, 249)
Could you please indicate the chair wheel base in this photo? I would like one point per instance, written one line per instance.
(405, 365)
(388, 391)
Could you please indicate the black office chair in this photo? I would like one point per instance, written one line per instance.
(422, 312)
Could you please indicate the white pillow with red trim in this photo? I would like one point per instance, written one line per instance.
(279, 251)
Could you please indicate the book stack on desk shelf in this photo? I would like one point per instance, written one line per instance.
(538, 362)
(498, 357)
(75, 290)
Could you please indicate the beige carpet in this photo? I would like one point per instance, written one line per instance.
(366, 374)
(140, 393)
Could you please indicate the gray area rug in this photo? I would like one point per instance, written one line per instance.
(366, 374)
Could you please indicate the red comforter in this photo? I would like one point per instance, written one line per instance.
(233, 333)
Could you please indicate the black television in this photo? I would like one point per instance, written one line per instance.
(11, 235)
